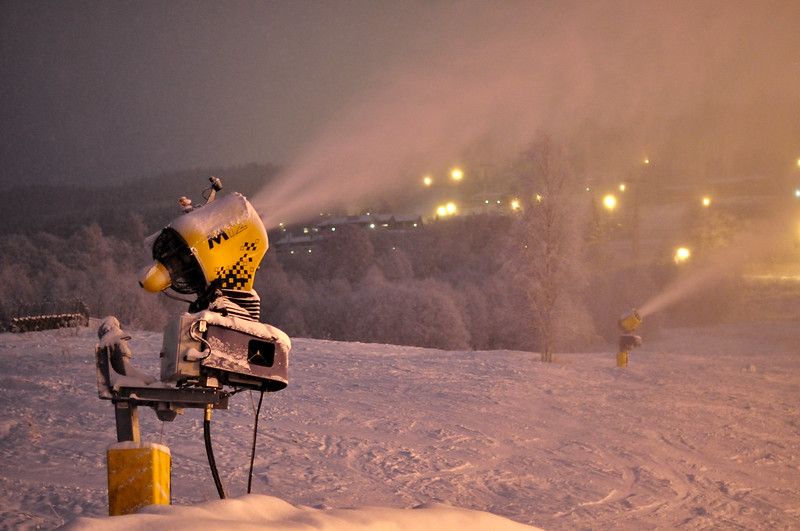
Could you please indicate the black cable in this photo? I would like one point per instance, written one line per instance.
(255, 434)
(210, 454)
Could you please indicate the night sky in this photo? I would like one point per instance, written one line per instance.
(107, 91)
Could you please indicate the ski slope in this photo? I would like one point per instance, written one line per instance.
(701, 430)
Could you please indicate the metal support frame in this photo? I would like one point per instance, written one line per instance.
(127, 415)
(165, 401)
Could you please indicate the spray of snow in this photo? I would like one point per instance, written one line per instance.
(495, 77)
(762, 237)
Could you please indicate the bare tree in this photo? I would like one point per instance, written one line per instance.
(546, 238)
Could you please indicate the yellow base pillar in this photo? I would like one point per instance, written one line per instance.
(138, 475)
(622, 359)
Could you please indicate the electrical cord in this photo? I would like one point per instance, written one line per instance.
(210, 454)
(255, 434)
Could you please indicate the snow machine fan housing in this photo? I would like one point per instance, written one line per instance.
(223, 240)
(629, 322)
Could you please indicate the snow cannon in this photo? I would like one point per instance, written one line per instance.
(213, 252)
(209, 353)
(628, 323)
(221, 242)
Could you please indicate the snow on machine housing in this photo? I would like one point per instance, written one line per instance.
(213, 252)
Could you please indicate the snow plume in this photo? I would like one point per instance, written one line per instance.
(624, 80)
(756, 242)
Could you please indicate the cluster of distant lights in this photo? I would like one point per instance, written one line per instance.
(307, 230)
(450, 209)
(682, 254)
(609, 200)
(456, 175)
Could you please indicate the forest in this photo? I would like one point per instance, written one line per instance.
(543, 279)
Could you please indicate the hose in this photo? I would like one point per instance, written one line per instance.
(255, 434)
(210, 454)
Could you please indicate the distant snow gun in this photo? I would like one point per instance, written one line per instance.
(214, 350)
(628, 323)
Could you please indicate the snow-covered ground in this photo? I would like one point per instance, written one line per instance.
(701, 430)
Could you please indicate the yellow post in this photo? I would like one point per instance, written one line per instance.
(138, 475)
(622, 359)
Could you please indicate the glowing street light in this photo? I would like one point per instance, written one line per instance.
(457, 174)
(622, 187)
(515, 204)
(446, 210)
(681, 255)
(610, 202)
(706, 201)
(427, 181)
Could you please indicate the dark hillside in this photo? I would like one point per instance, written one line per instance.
(140, 206)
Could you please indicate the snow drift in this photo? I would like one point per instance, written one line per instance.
(256, 511)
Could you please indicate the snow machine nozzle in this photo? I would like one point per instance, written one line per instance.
(630, 322)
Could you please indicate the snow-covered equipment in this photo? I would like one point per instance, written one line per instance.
(628, 323)
(214, 350)
(223, 242)
(211, 350)
(213, 251)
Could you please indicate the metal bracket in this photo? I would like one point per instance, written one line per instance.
(165, 401)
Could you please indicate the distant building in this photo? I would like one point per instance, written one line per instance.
(310, 236)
